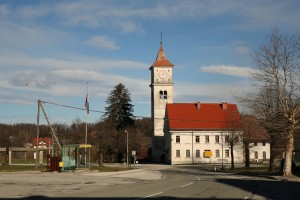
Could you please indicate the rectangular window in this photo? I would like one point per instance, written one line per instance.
(207, 139)
(197, 153)
(255, 143)
(177, 139)
(217, 153)
(226, 139)
(187, 154)
(178, 153)
(227, 153)
(217, 138)
(197, 138)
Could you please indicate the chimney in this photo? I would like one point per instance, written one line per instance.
(224, 105)
(198, 104)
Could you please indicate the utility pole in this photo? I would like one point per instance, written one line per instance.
(37, 135)
(192, 147)
(222, 150)
(127, 147)
(86, 122)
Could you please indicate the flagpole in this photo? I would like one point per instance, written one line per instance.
(87, 110)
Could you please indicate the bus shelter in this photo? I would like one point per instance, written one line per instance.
(75, 156)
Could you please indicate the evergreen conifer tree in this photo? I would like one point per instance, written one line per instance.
(119, 108)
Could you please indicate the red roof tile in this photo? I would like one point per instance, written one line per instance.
(210, 116)
(47, 141)
(161, 59)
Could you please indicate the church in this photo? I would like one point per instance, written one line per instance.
(194, 133)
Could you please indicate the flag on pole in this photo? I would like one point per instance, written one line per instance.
(87, 106)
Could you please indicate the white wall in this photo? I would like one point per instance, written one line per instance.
(188, 142)
(259, 147)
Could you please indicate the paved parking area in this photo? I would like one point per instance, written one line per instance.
(53, 184)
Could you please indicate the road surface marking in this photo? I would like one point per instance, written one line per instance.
(187, 184)
(151, 195)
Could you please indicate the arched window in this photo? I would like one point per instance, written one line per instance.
(165, 94)
(161, 95)
(256, 154)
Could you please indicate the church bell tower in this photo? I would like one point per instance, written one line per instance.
(161, 94)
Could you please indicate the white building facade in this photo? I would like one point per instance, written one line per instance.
(192, 133)
(259, 152)
(194, 147)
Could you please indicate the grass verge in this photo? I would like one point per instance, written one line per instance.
(18, 168)
(253, 171)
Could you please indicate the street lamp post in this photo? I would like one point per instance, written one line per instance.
(127, 147)
(222, 150)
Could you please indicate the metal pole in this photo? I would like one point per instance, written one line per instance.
(222, 149)
(85, 142)
(192, 147)
(127, 146)
(87, 94)
(37, 135)
(53, 133)
(89, 157)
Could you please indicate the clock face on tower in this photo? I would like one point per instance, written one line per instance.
(163, 74)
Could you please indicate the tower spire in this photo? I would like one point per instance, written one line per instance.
(161, 59)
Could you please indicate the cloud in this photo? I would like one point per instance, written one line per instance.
(30, 12)
(212, 93)
(4, 10)
(30, 37)
(242, 50)
(102, 82)
(103, 42)
(33, 79)
(114, 14)
(99, 14)
(126, 17)
(228, 70)
(30, 84)
(19, 61)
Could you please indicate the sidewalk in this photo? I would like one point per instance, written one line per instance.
(138, 172)
(291, 178)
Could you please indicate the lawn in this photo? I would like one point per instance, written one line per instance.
(253, 171)
(17, 168)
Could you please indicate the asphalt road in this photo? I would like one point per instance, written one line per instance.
(174, 184)
(148, 182)
(180, 182)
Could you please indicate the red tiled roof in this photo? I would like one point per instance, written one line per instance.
(161, 59)
(47, 141)
(210, 116)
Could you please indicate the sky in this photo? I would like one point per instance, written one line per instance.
(56, 51)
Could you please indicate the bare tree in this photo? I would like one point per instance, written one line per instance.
(253, 132)
(233, 132)
(232, 139)
(277, 100)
